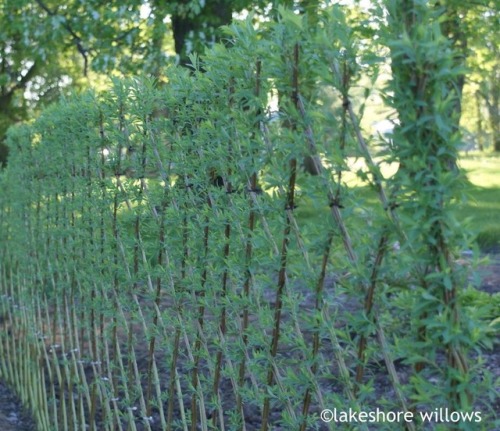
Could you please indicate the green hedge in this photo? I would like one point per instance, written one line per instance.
(156, 272)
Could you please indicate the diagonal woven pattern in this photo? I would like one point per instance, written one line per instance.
(167, 264)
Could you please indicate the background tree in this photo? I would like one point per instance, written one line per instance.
(47, 47)
(31, 70)
(482, 25)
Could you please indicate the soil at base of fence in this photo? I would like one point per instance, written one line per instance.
(15, 417)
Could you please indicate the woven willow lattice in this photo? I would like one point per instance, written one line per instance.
(166, 263)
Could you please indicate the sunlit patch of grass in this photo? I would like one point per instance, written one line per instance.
(357, 168)
(483, 198)
(483, 169)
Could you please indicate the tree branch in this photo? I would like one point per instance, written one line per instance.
(25, 78)
(76, 39)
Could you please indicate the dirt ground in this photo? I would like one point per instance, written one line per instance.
(490, 275)
(14, 417)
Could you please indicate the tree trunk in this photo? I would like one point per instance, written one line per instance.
(4, 153)
(493, 103)
(490, 92)
(193, 33)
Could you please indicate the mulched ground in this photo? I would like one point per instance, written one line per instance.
(14, 417)
(490, 275)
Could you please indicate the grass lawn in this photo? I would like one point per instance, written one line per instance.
(482, 207)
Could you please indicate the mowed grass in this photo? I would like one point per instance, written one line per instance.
(481, 210)
(483, 169)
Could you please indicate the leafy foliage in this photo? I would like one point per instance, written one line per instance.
(154, 259)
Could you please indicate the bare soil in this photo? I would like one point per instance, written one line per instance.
(13, 416)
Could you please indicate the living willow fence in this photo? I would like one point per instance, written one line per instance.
(167, 263)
